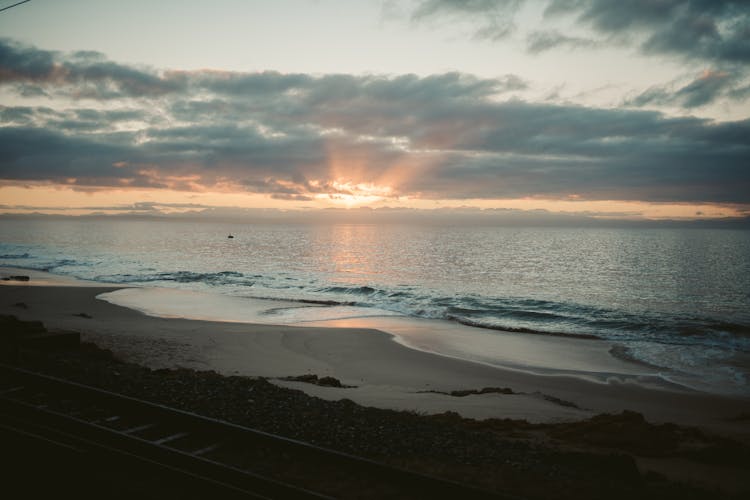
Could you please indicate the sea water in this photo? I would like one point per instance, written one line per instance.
(676, 299)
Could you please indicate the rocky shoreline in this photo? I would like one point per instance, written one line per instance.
(595, 458)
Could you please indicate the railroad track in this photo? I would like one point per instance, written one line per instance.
(137, 448)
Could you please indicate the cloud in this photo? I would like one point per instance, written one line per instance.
(139, 206)
(297, 136)
(541, 41)
(81, 74)
(704, 89)
(698, 32)
(710, 30)
(717, 31)
(740, 93)
(493, 20)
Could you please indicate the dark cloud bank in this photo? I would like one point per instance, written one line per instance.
(716, 30)
(698, 32)
(290, 135)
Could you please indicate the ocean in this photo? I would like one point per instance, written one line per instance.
(677, 300)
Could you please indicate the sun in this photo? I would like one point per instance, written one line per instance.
(352, 194)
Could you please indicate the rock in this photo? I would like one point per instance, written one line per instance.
(468, 392)
(309, 378)
(20, 277)
(329, 382)
(322, 381)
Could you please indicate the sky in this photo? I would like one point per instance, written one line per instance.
(602, 108)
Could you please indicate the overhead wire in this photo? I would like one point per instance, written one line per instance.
(14, 5)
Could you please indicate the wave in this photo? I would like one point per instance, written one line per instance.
(541, 316)
(62, 263)
(325, 302)
(355, 290)
(532, 316)
(701, 326)
(525, 315)
(625, 353)
(513, 314)
(223, 277)
(506, 328)
(15, 256)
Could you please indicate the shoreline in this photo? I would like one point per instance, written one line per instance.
(574, 356)
(385, 373)
(595, 359)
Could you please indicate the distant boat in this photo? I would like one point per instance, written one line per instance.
(230, 236)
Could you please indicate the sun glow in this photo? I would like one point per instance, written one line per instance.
(353, 194)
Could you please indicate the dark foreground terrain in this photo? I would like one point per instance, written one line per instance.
(608, 456)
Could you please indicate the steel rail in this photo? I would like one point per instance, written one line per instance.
(30, 398)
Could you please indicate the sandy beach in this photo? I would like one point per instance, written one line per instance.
(384, 373)
(580, 425)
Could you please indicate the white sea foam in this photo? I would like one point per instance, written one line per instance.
(175, 303)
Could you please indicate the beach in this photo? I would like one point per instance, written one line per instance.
(383, 373)
(362, 391)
